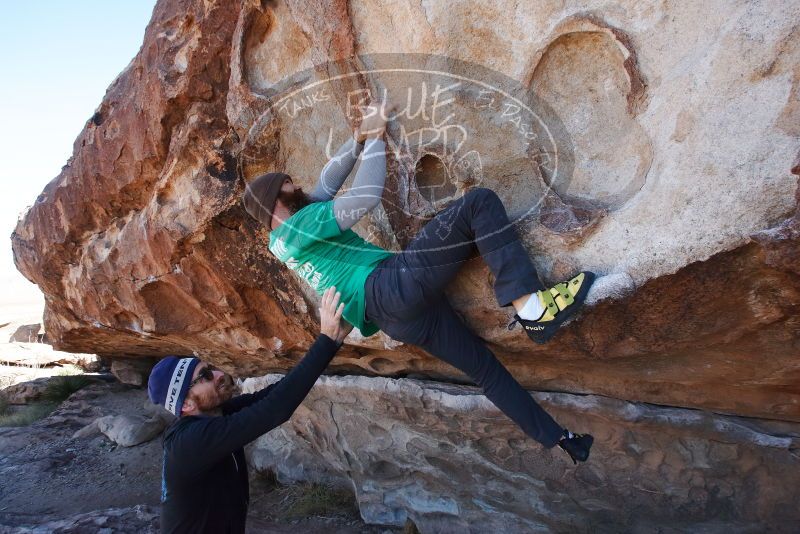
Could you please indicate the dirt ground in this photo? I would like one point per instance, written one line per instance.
(47, 475)
(52, 482)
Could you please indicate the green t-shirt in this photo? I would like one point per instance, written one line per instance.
(311, 244)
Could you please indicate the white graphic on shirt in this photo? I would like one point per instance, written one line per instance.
(307, 270)
(278, 247)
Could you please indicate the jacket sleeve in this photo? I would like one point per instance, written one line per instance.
(336, 171)
(245, 400)
(204, 442)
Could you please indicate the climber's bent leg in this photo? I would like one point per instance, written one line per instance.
(479, 219)
(436, 254)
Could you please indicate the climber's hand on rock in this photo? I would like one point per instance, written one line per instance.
(344, 329)
(330, 314)
(373, 121)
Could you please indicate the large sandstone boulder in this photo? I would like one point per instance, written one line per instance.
(676, 128)
(652, 144)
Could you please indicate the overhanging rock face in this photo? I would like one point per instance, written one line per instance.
(653, 145)
(674, 147)
(443, 456)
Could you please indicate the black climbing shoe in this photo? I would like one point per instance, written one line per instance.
(560, 303)
(577, 446)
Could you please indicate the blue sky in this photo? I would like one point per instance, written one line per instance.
(57, 58)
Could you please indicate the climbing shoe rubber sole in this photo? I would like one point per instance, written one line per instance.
(541, 331)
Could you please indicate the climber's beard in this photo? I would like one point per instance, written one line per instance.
(294, 201)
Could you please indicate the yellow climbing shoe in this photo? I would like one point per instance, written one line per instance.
(560, 302)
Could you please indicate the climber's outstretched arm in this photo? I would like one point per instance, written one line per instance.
(336, 171)
(367, 189)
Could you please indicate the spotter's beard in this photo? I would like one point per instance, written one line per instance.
(210, 400)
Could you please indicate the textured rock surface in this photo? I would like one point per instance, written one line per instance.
(125, 430)
(677, 124)
(130, 429)
(132, 371)
(443, 456)
(25, 392)
(28, 333)
(683, 143)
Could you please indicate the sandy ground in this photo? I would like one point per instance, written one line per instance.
(47, 475)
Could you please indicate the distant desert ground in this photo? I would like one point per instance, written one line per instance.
(21, 362)
(20, 301)
(21, 313)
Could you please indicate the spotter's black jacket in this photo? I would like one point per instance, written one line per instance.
(204, 478)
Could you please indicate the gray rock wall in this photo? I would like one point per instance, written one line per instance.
(445, 457)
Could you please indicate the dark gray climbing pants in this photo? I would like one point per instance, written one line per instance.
(405, 298)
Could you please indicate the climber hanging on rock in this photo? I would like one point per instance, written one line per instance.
(403, 293)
